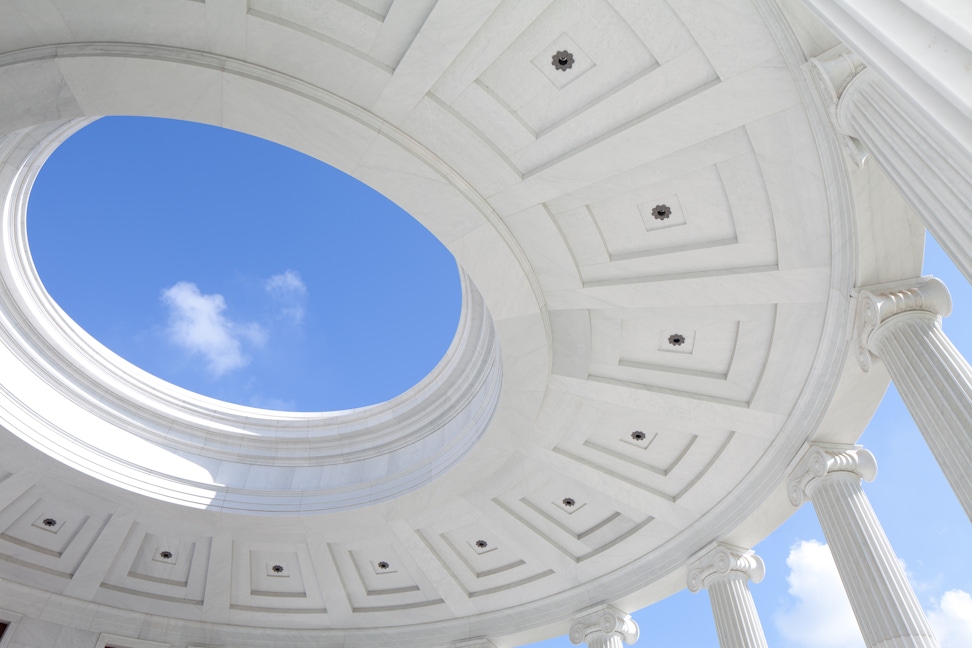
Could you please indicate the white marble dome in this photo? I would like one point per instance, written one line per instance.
(660, 248)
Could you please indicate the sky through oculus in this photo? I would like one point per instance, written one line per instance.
(238, 268)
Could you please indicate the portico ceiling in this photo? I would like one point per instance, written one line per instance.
(666, 237)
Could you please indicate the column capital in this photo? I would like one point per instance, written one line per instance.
(878, 304)
(833, 71)
(821, 460)
(604, 621)
(724, 560)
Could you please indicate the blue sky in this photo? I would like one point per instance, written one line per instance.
(238, 268)
(323, 295)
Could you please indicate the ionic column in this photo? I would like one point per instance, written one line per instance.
(902, 326)
(725, 571)
(886, 608)
(604, 627)
(929, 167)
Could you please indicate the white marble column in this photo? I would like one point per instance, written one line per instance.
(902, 326)
(929, 167)
(883, 601)
(725, 570)
(604, 627)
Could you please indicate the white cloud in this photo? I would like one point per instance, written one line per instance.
(198, 325)
(286, 283)
(288, 288)
(952, 619)
(822, 616)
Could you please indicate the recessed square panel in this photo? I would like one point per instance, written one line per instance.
(169, 566)
(582, 534)
(607, 56)
(274, 578)
(699, 216)
(563, 61)
(496, 568)
(46, 528)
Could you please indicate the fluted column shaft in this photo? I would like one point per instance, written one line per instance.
(736, 620)
(880, 595)
(725, 571)
(878, 589)
(902, 326)
(935, 382)
(605, 641)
